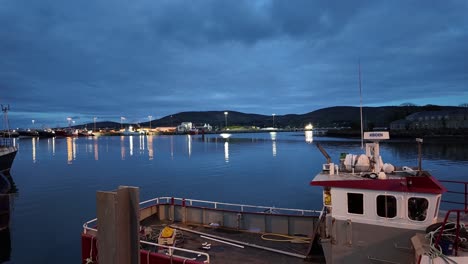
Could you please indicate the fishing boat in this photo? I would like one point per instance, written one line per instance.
(8, 149)
(373, 212)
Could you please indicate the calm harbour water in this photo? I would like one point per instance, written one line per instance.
(57, 179)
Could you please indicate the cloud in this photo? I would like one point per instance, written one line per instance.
(119, 58)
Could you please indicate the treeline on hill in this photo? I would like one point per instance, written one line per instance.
(338, 116)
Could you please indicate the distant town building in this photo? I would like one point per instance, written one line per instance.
(446, 119)
(184, 127)
(401, 124)
(205, 127)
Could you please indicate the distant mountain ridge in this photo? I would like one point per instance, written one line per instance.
(337, 116)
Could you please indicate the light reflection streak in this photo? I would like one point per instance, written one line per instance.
(74, 148)
(150, 147)
(53, 146)
(130, 141)
(189, 145)
(122, 147)
(226, 151)
(96, 148)
(33, 149)
(172, 147)
(273, 143)
(309, 136)
(69, 150)
(142, 143)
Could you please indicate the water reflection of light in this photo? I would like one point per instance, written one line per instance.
(53, 146)
(172, 147)
(130, 141)
(69, 150)
(309, 136)
(74, 148)
(225, 135)
(273, 148)
(96, 148)
(226, 151)
(150, 147)
(142, 143)
(273, 143)
(189, 145)
(122, 147)
(33, 149)
(273, 135)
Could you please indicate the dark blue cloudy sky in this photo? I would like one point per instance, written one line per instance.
(113, 58)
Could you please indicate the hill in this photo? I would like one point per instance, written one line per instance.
(338, 116)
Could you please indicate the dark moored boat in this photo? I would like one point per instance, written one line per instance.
(28, 133)
(7, 156)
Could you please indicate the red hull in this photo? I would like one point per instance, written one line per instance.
(88, 241)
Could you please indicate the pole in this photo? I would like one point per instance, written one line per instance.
(225, 120)
(273, 120)
(360, 97)
(420, 141)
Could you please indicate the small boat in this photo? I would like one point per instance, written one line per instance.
(373, 212)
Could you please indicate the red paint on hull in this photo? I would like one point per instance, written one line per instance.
(146, 257)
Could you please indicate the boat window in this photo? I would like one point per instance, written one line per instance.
(417, 208)
(386, 206)
(355, 203)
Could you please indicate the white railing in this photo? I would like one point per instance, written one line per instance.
(213, 205)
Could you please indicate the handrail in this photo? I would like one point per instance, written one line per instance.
(465, 193)
(457, 235)
(215, 205)
(172, 249)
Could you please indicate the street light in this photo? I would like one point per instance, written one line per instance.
(273, 120)
(69, 119)
(33, 122)
(150, 117)
(94, 123)
(225, 119)
(121, 121)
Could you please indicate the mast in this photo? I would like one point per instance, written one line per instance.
(360, 98)
(5, 110)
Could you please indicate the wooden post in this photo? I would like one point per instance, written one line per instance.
(118, 226)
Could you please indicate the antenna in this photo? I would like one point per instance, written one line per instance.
(5, 110)
(360, 98)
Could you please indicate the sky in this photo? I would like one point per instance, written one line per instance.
(119, 58)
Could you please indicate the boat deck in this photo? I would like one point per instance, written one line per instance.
(234, 246)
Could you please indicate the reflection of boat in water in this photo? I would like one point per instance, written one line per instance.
(373, 212)
(5, 238)
(7, 186)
